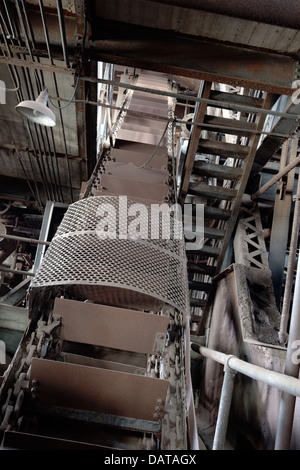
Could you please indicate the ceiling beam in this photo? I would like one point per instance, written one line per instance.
(192, 57)
(154, 49)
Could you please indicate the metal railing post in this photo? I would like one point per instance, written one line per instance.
(287, 403)
(224, 407)
(287, 383)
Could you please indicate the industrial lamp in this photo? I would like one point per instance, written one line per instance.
(37, 111)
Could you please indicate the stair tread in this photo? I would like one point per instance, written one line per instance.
(217, 171)
(236, 99)
(209, 232)
(144, 137)
(199, 285)
(197, 302)
(241, 127)
(201, 268)
(216, 213)
(226, 149)
(205, 250)
(218, 192)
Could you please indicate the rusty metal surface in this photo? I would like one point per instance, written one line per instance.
(195, 58)
(108, 326)
(93, 389)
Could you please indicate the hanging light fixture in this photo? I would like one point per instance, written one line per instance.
(37, 111)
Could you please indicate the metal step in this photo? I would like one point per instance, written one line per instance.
(139, 157)
(240, 128)
(199, 285)
(218, 192)
(235, 99)
(144, 137)
(224, 149)
(197, 303)
(217, 171)
(201, 268)
(209, 251)
(209, 232)
(216, 213)
(144, 128)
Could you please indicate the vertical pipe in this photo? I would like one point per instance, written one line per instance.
(287, 403)
(290, 270)
(43, 235)
(62, 28)
(224, 407)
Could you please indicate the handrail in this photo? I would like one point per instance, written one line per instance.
(232, 365)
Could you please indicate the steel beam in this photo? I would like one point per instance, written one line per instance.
(282, 125)
(166, 52)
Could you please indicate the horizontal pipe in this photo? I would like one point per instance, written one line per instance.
(225, 104)
(15, 271)
(142, 114)
(276, 178)
(24, 239)
(283, 382)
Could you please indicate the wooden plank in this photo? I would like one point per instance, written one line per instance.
(111, 327)
(89, 388)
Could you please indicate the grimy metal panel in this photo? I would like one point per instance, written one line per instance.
(110, 327)
(93, 389)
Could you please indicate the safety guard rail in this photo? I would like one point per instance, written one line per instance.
(232, 365)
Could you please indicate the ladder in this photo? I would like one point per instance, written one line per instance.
(215, 174)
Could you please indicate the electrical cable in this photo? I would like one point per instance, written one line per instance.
(71, 99)
(155, 150)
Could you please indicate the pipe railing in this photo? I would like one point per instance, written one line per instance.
(233, 364)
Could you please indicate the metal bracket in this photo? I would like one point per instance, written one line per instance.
(227, 367)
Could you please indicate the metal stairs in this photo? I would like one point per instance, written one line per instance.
(218, 162)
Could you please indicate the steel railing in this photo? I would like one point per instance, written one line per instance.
(232, 365)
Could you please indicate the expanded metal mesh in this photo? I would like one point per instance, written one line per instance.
(81, 253)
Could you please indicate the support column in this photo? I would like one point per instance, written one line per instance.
(281, 220)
